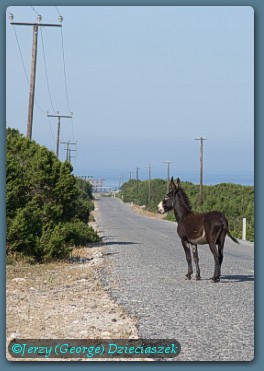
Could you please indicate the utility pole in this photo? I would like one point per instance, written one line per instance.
(149, 178)
(33, 64)
(137, 168)
(201, 139)
(130, 172)
(168, 174)
(69, 150)
(58, 129)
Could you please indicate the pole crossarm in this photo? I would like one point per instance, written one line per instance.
(35, 24)
(63, 116)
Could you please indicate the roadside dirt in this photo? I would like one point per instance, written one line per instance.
(64, 300)
(142, 211)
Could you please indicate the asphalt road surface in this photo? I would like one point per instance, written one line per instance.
(146, 275)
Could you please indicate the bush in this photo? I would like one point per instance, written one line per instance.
(47, 207)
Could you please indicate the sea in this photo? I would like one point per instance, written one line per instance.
(113, 181)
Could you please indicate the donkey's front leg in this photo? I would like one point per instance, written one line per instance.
(196, 260)
(188, 258)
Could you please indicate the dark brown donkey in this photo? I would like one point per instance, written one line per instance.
(196, 229)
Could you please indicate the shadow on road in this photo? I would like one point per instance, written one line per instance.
(238, 278)
(121, 243)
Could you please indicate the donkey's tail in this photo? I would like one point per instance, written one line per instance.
(232, 238)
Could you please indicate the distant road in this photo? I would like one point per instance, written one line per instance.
(212, 321)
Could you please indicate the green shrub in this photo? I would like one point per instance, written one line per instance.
(47, 207)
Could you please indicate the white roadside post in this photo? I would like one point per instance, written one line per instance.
(244, 230)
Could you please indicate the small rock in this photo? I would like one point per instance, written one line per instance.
(19, 279)
(14, 335)
(106, 335)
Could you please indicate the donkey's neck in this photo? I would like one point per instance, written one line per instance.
(180, 208)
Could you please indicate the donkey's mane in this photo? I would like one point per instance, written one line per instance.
(185, 199)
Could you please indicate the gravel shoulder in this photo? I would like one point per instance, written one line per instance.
(64, 300)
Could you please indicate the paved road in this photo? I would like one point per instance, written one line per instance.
(146, 273)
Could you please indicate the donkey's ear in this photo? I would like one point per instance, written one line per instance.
(173, 185)
(178, 182)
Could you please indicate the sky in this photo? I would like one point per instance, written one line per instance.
(142, 83)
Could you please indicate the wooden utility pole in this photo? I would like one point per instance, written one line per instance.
(201, 139)
(69, 150)
(33, 66)
(137, 168)
(58, 129)
(32, 82)
(168, 174)
(149, 173)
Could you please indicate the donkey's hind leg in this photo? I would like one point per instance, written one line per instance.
(196, 261)
(188, 258)
(221, 242)
(216, 276)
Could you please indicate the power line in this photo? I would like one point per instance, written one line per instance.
(35, 27)
(24, 67)
(65, 76)
(46, 70)
(51, 129)
(34, 10)
(57, 10)
(64, 69)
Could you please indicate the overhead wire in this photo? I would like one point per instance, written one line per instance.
(46, 70)
(51, 129)
(24, 68)
(34, 10)
(46, 74)
(47, 78)
(57, 10)
(65, 75)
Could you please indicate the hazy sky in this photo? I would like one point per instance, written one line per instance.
(143, 82)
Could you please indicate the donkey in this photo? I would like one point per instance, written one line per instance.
(196, 229)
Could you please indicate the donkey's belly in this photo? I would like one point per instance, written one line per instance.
(199, 240)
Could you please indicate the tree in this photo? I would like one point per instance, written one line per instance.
(47, 207)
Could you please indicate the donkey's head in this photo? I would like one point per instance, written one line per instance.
(168, 203)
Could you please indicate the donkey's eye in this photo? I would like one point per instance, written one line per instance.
(166, 198)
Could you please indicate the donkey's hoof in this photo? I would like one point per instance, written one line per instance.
(188, 276)
(198, 278)
(215, 279)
